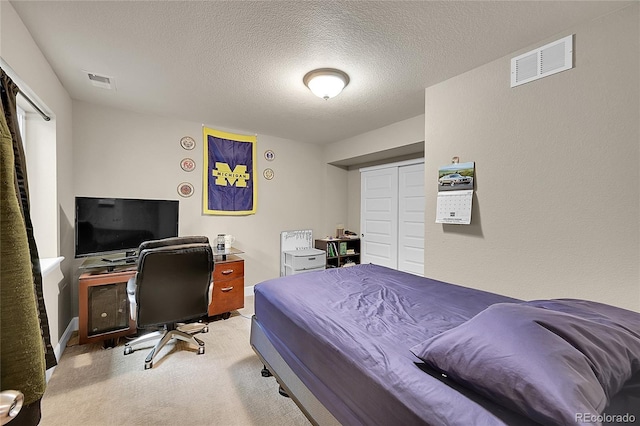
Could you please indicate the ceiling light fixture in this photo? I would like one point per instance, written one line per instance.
(326, 83)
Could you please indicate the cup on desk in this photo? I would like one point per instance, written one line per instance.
(228, 241)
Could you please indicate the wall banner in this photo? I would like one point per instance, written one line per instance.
(229, 173)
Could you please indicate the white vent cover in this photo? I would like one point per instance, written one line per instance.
(100, 81)
(546, 60)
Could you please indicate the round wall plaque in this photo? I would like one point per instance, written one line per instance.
(269, 155)
(188, 143)
(187, 164)
(185, 189)
(268, 174)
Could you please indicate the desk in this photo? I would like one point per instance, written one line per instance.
(103, 305)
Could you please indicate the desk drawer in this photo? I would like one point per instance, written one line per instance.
(228, 295)
(228, 271)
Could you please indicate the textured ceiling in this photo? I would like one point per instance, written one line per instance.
(239, 65)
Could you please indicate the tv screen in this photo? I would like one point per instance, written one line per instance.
(109, 225)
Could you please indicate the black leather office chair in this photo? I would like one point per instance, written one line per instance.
(172, 286)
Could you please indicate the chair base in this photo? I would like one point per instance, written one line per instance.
(170, 332)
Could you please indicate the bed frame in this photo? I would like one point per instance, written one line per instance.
(287, 379)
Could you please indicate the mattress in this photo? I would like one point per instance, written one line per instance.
(347, 335)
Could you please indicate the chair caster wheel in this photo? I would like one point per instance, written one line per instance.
(128, 350)
(148, 365)
(205, 330)
(200, 350)
(226, 315)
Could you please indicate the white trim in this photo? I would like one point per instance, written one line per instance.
(62, 343)
(397, 164)
(48, 264)
(248, 290)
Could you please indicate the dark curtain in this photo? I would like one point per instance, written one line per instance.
(25, 346)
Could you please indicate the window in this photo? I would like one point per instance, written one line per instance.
(39, 140)
(22, 125)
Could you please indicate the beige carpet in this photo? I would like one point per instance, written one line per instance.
(96, 386)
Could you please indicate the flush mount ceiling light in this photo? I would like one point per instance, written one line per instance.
(326, 82)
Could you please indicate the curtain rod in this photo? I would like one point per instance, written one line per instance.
(45, 116)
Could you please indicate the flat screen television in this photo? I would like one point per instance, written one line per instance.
(112, 225)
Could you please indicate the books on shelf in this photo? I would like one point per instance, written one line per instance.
(332, 250)
(343, 248)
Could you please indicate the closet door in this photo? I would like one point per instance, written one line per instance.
(411, 202)
(379, 217)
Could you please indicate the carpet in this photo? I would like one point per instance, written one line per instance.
(96, 386)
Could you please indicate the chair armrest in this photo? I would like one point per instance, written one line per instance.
(132, 285)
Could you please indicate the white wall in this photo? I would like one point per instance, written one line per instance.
(124, 154)
(557, 208)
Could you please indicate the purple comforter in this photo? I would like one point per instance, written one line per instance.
(350, 334)
(347, 334)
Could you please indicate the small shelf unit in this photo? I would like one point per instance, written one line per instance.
(340, 251)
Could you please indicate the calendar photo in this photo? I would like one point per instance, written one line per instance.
(455, 193)
(456, 177)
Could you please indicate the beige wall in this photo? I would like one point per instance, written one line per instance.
(35, 76)
(556, 210)
(124, 154)
(398, 139)
(396, 142)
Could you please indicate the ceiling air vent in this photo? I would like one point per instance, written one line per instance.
(100, 81)
(546, 60)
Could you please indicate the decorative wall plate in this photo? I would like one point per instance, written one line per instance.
(188, 143)
(268, 174)
(269, 155)
(185, 189)
(188, 165)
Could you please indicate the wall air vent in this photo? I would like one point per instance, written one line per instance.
(101, 81)
(546, 60)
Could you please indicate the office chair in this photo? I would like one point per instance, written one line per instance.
(172, 286)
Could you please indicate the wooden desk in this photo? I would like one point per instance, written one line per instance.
(103, 305)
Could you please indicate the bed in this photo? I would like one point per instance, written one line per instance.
(369, 345)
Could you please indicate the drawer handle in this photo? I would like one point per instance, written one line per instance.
(312, 258)
(227, 272)
(226, 289)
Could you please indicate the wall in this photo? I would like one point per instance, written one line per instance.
(556, 210)
(396, 142)
(125, 154)
(398, 139)
(36, 78)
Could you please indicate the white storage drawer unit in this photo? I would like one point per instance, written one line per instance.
(304, 260)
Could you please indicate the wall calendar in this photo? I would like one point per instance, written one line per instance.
(455, 193)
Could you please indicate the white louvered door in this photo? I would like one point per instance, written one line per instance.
(392, 216)
(379, 217)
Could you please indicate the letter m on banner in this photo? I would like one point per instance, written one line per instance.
(229, 173)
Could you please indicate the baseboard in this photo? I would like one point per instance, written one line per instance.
(248, 290)
(62, 343)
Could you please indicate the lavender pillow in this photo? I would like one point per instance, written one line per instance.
(550, 365)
